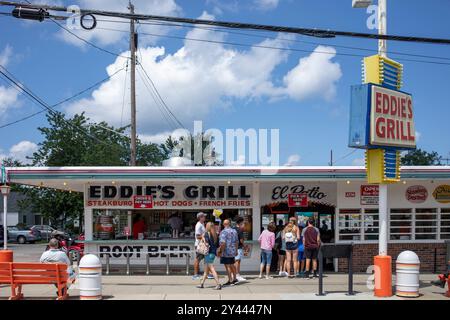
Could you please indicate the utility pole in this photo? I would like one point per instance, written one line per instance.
(133, 46)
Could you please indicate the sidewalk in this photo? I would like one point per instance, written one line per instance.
(183, 288)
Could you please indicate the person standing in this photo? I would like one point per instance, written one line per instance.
(139, 226)
(281, 247)
(311, 241)
(199, 234)
(212, 240)
(301, 253)
(228, 248)
(267, 242)
(176, 224)
(240, 232)
(291, 235)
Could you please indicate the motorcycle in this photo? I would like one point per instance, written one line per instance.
(73, 249)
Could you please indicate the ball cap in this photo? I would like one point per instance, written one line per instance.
(201, 214)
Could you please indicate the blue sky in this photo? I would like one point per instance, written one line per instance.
(303, 94)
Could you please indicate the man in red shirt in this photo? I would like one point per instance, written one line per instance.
(311, 242)
(139, 226)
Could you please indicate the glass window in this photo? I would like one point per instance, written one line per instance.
(349, 224)
(401, 224)
(445, 223)
(371, 224)
(426, 224)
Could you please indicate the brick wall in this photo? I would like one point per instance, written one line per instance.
(363, 256)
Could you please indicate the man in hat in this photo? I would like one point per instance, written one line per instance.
(199, 233)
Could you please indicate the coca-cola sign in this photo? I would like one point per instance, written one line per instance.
(416, 194)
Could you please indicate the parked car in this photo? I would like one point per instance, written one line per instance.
(1, 235)
(23, 235)
(45, 230)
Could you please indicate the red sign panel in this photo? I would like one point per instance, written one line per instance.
(416, 194)
(143, 202)
(369, 195)
(298, 200)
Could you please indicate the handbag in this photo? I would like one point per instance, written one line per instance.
(202, 247)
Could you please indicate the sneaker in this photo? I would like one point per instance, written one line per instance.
(280, 274)
(438, 283)
(260, 276)
(285, 274)
(210, 276)
(241, 279)
(228, 283)
(235, 281)
(200, 286)
(315, 275)
(269, 277)
(196, 277)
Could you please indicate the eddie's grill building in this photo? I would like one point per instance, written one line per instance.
(337, 197)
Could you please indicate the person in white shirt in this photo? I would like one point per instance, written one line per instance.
(199, 233)
(55, 255)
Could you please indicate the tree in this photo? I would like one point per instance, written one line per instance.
(79, 142)
(187, 146)
(420, 157)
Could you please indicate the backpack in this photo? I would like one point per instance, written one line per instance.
(202, 247)
(290, 237)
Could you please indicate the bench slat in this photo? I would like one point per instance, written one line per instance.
(38, 281)
(38, 266)
(38, 272)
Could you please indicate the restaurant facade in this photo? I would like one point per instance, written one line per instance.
(343, 204)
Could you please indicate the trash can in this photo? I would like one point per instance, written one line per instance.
(90, 278)
(407, 267)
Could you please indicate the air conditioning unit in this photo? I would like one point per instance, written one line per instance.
(361, 3)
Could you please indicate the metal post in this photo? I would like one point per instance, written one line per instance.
(128, 264)
(5, 227)
(383, 220)
(382, 27)
(107, 264)
(350, 273)
(167, 263)
(147, 263)
(320, 273)
(188, 260)
(133, 86)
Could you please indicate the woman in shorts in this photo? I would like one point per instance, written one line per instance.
(291, 234)
(212, 239)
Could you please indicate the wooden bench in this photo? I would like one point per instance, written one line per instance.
(17, 274)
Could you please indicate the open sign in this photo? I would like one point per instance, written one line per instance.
(297, 200)
(143, 202)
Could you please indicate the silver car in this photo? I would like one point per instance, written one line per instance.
(23, 235)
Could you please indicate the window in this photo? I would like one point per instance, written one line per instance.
(401, 224)
(371, 224)
(445, 223)
(349, 224)
(426, 224)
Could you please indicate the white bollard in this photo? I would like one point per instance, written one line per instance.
(90, 278)
(407, 267)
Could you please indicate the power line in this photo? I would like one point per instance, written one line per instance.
(320, 33)
(43, 104)
(62, 101)
(238, 44)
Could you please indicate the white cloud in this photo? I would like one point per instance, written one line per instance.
(109, 37)
(158, 138)
(359, 162)
(5, 55)
(20, 151)
(193, 80)
(315, 75)
(266, 4)
(293, 160)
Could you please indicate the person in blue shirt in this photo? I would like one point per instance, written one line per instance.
(301, 253)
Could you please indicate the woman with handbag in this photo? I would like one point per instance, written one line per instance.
(208, 245)
(291, 234)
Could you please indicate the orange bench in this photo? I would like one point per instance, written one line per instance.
(17, 274)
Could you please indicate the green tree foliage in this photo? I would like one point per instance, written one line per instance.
(420, 157)
(79, 142)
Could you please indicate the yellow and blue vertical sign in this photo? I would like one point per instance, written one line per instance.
(381, 118)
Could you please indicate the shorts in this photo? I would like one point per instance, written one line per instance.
(291, 245)
(281, 252)
(311, 253)
(266, 256)
(199, 256)
(209, 258)
(240, 254)
(227, 260)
